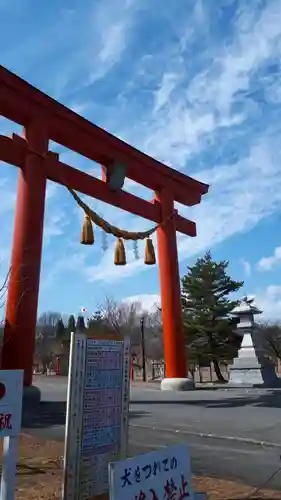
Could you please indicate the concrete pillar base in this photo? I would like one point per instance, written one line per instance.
(177, 384)
(31, 396)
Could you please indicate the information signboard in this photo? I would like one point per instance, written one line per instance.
(97, 413)
(164, 473)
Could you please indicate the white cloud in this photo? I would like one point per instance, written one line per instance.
(232, 69)
(8, 200)
(176, 132)
(107, 272)
(183, 120)
(247, 267)
(91, 40)
(113, 44)
(148, 302)
(72, 262)
(54, 225)
(247, 189)
(267, 263)
(51, 190)
(104, 37)
(79, 107)
(232, 206)
(162, 94)
(269, 301)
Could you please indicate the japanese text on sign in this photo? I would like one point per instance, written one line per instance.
(159, 475)
(97, 421)
(102, 411)
(139, 474)
(5, 421)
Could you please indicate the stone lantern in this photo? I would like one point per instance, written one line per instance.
(251, 367)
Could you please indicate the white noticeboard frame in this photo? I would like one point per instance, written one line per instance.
(97, 413)
(11, 390)
(164, 473)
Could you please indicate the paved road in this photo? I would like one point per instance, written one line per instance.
(159, 419)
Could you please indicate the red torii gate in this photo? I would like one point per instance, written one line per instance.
(45, 119)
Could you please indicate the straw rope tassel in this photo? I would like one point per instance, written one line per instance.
(149, 253)
(120, 253)
(87, 233)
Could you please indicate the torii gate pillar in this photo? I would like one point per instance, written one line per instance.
(23, 288)
(174, 344)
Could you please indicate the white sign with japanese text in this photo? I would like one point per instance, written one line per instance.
(11, 389)
(162, 474)
(10, 402)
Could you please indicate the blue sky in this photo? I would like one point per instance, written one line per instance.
(195, 84)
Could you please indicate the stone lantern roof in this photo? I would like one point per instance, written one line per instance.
(246, 306)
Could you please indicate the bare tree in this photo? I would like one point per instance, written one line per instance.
(271, 339)
(49, 318)
(47, 322)
(3, 293)
(154, 317)
(154, 334)
(47, 344)
(125, 318)
(121, 317)
(45, 349)
(3, 289)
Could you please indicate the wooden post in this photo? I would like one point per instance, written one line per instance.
(9, 467)
(22, 300)
(174, 346)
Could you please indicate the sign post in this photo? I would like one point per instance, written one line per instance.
(11, 388)
(97, 413)
(164, 473)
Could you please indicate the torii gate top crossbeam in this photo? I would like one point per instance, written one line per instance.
(13, 150)
(22, 103)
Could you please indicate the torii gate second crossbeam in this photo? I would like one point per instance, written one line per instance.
(43, 120)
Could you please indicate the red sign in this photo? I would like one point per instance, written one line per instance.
(5, 421)
(2, 390)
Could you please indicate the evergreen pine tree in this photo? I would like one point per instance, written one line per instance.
(206, 307)
(96, 320)
(80, 325)
(71, 325)
(60, 329)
